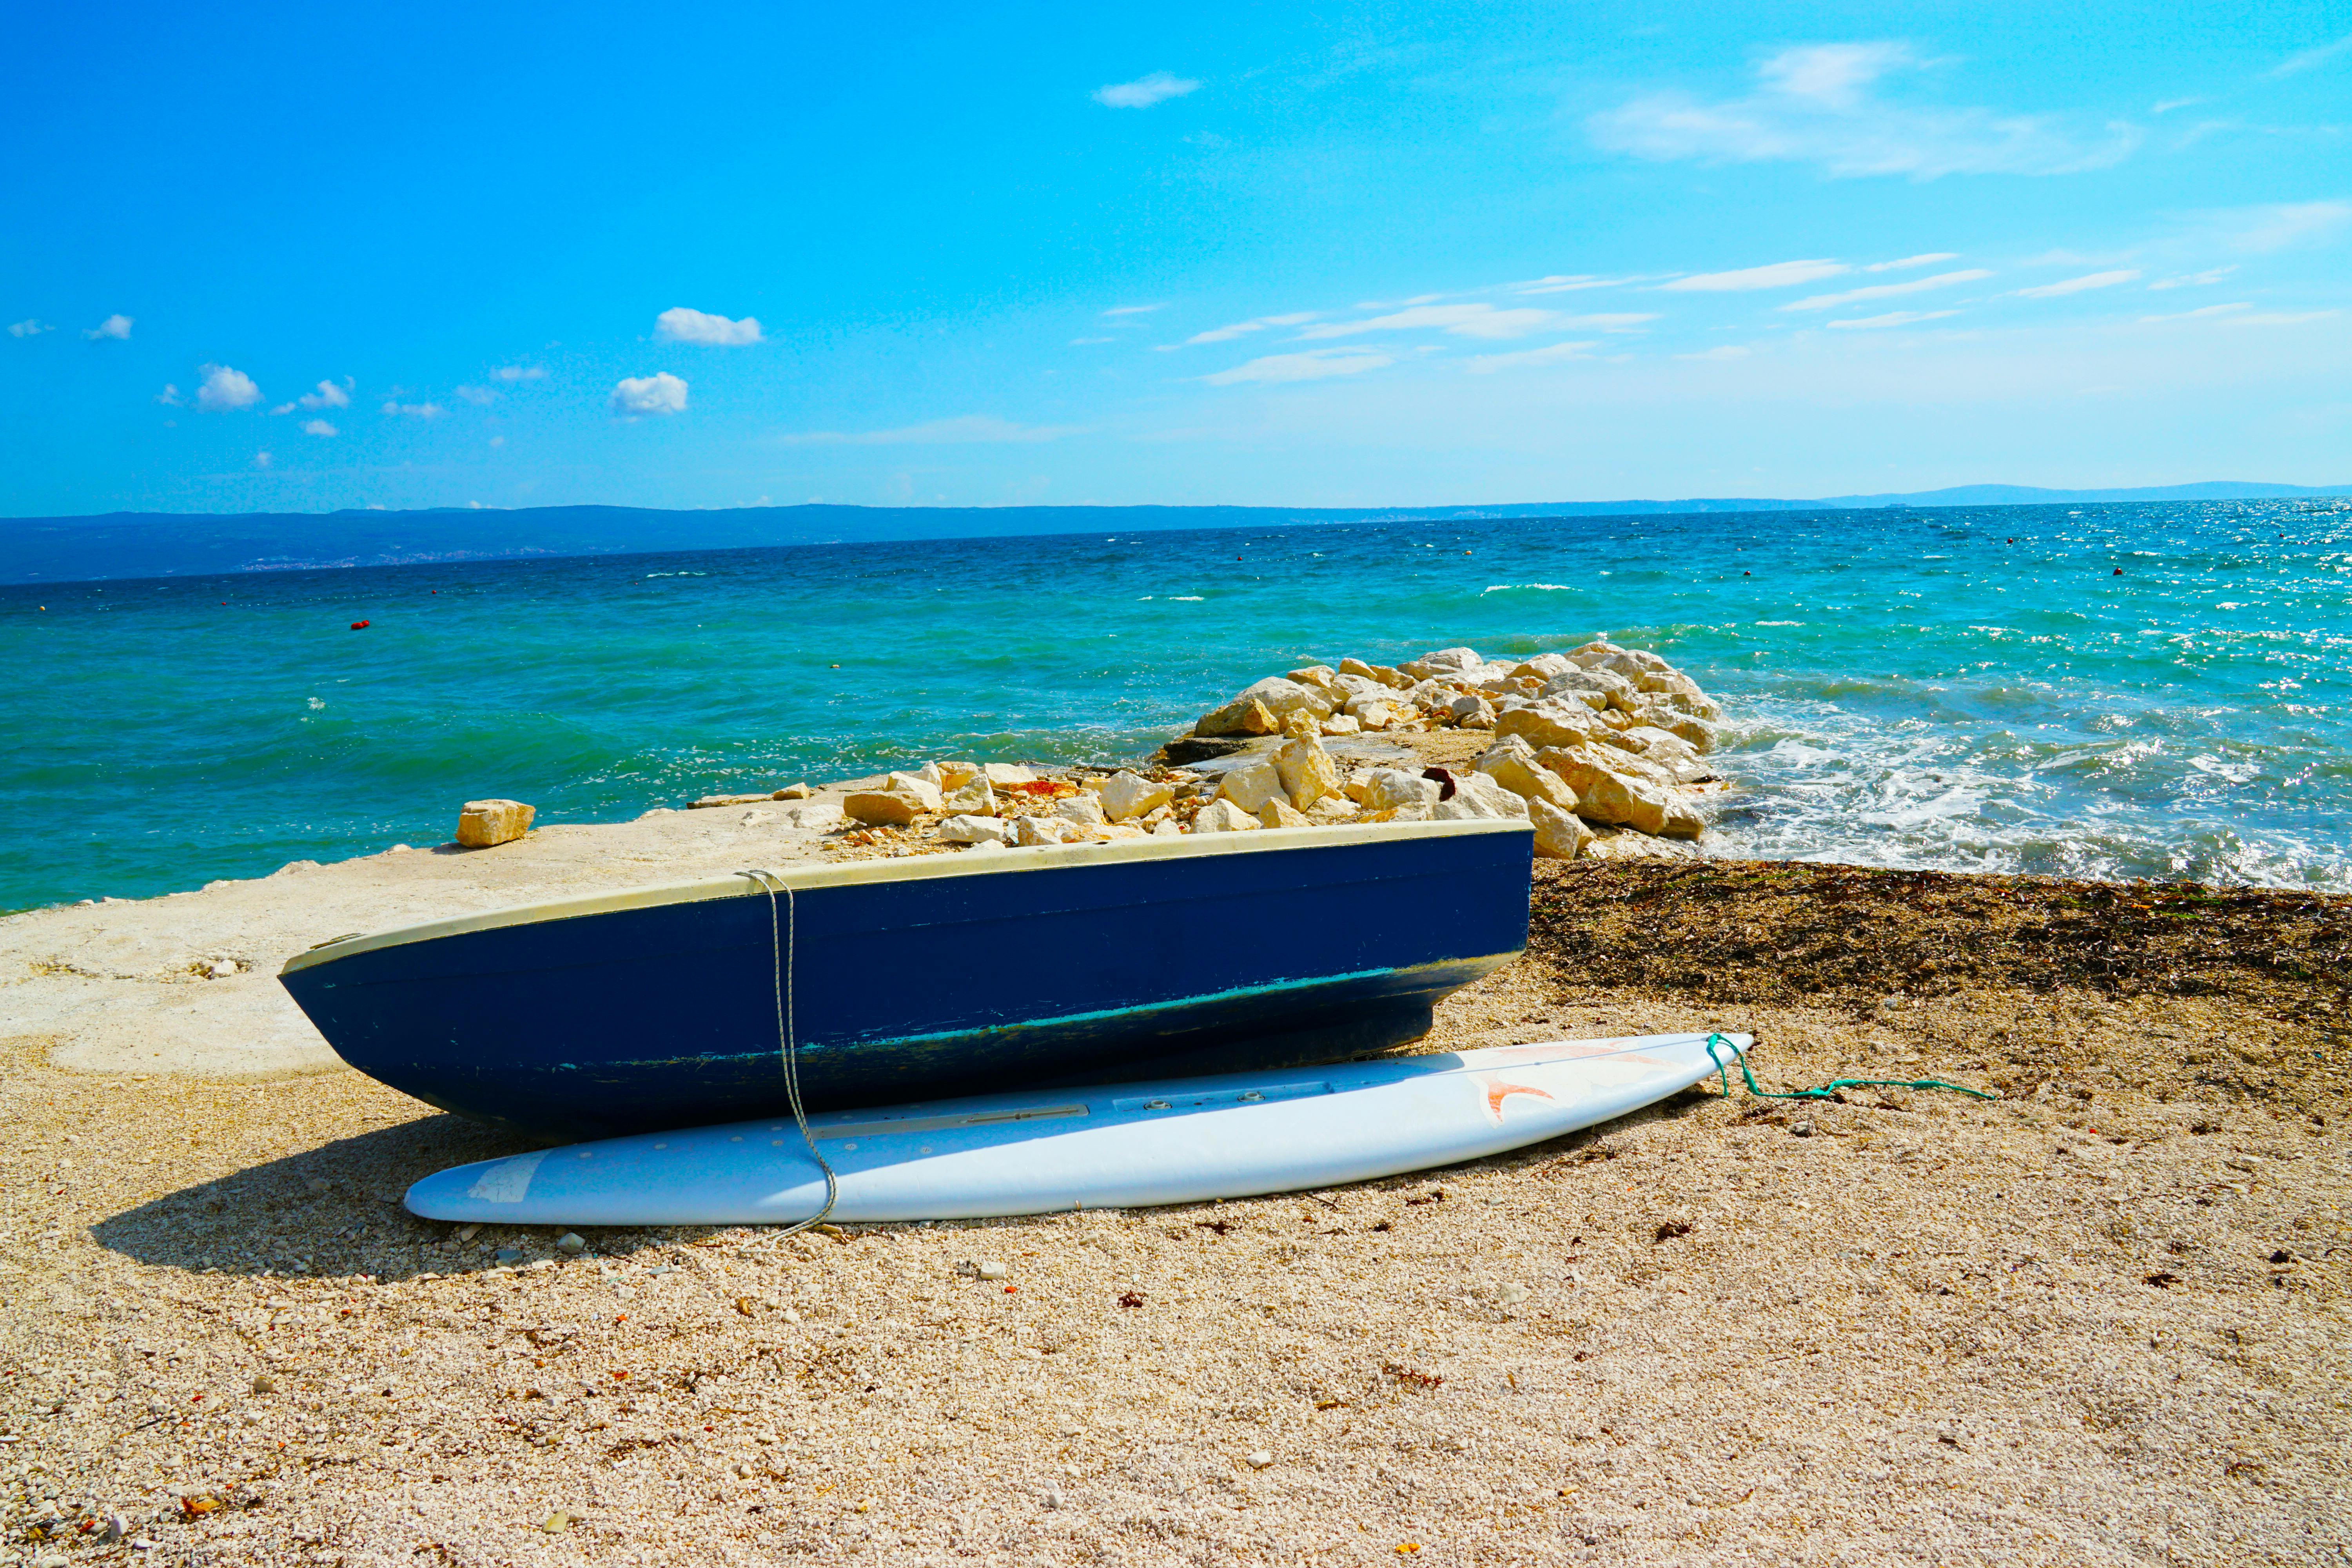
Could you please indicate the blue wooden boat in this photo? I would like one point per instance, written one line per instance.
(925, 977)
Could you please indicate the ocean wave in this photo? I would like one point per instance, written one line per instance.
(1531, 588)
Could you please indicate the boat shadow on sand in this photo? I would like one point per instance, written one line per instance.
(334, 1212)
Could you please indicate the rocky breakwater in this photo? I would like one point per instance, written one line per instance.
(1599, 747)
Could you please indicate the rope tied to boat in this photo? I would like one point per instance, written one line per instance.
(786, 953)
(1826, 1091)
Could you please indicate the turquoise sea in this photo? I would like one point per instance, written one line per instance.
(2105, 691)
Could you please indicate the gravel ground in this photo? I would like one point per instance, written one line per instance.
(2103, 1319)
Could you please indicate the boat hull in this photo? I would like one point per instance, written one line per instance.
(927, 976)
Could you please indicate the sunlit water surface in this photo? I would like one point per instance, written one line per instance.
(1969, 690)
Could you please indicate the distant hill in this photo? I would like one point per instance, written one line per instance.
(176, 544)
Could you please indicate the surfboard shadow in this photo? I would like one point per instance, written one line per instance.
(333, 1210)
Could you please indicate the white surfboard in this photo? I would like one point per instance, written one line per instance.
(1112, 1146)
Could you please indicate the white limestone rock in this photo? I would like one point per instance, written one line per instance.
(1242, 716)
(975, 797)
(1551, 723)
(1031, 831)
(1559, 836)
(1612, 795)
(1469, 710)
(1392, 789)
(1306, 769)
(1497, 799)
(1612, 688)
(882, 807)
(1280, 813)
(484, 822)
(976, 830)
(1516, 770)
(1450, 660)
(925, 790)
(1087, 810)
(1670, 752)
(1001, 774)
(1283, 698)
(1252, 784)
(1127, 796)
(1222, 815)
(1387, 675)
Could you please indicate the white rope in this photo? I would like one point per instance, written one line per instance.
(786, 954)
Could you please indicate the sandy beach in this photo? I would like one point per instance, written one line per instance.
(2101, 1320)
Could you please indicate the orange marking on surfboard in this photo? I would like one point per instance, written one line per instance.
(1498, 1089)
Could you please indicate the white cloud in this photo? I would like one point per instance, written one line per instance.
(1313, 365)
(964, 430)
(2078, 285)
(416, 410)
(170, 397)
(679, 325)
(1118, 310)
(1777, 275)
(1487, 364)
(1886, 290)
(639, 396)
(1892, 319)
(1471, 321)
(1726, 350)
(223, 389)
(1818, 104)
(2291, 222)
(2294, 64)
(2202, 314)
(1568, 283)
(2279, 317)
(497, 440)
(1239, 329)
(113, 327)
(1610, 321)
(29, 329)
(518, 373)
(262, 459)
(329, 396)
(2193, 279)
(1925, 260)
(318, 427)
(478, 396)
(1082, 342)
(1144, 91)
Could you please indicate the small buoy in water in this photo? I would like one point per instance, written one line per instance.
(2120, 571)
(1748, 574)
(359, 625)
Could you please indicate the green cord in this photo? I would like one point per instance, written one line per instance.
(1723, 1073)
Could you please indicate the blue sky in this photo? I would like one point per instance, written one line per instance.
(309, 257)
